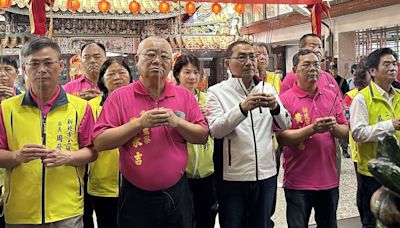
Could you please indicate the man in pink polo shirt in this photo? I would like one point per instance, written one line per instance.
(311, 177)
(151, 121)
(93, 56)
(312, 42)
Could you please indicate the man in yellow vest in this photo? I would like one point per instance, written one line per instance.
(374, 113)
(45, 140)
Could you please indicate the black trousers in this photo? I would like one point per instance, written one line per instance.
(367, 187)
(167, 208)
(87, 204)
(106, 211)
(204, 201)
(2, 223)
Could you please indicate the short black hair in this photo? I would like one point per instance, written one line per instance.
(296, 57)
(303, 39)
(182, 61)
(232, 45)
(38, 43)
(97, 43)
(103, 69)
(375, 57)
(7, 60)
(261, 44)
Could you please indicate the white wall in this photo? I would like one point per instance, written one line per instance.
(290, 51)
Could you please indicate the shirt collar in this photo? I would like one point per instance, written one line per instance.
(383, 92)
(302, 94)
(167, 92)
(60, 98)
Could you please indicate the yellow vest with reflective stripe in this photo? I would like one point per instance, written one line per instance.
(35, 194)
(104, 172)
(378, 110)
(353, 144)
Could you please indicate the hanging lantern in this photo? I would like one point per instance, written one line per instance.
(73, 5)
(190, 8)
(134, 6)
(4, 4)
(164, 7)
(239, 8)
(216, 8)
(104, 6)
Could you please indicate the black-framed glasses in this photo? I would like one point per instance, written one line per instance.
(152, 55)
(243, 58)
(308, 65)
(46, 63)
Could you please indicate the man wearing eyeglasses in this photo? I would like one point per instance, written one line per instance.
(242, 112)
(93, 55)
(151, 121)
(311, 177)
(45, 140)
(8, 75)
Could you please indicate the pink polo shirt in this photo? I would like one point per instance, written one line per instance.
(84, 130)
(311, 165)
(325, 81)
(77, 86)
(156, 158)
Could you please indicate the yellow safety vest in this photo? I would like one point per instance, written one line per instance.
(104, 176)
(35, 194)
(353, 144)
(200, 162)
(274, 80)
(378, 110)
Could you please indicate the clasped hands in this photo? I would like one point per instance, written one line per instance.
(324, 124)
(256, 100)
(49, 157)
(159, 117)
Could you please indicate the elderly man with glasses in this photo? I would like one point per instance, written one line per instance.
(45, 142)
(151, 121)
(241, 113)
(311, 177)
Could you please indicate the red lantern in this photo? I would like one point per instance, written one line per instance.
(134, 7)
(239, 8)
(73, 5)
(216, 8)
(104, 6)
(4, 4)
(164, 7)
(190, 8)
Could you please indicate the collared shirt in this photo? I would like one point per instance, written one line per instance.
(360, 128)
(311, 165)
(155, 158)
(325, 81)
(84, 130)
(77, 86)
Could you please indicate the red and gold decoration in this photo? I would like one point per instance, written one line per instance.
(4, 4)
(73, 5)
(134, 7)
(216, 8)
(37, 16)
(239, 8)
(316, 15)
(190, 8)
(104, 6)
(164, 7)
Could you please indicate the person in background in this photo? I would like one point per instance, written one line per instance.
(313, 43)
(272, 78)
(151, 121)
(200, 169)
(361, 79)
(374, 113)
(350, 81)
(8, 75)
(104, 177)
(311, 176)
(45, 143)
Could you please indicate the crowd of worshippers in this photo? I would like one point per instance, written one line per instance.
(155, 154)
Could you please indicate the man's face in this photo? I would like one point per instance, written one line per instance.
(387, 69)
(307, 71)
(314, 44)
(8, 74)
(43, 68)
(262, 56)
(154, 59)
(243, 62)
(92, 59)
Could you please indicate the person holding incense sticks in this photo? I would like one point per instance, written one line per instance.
(151, 121)
(245, 166)
(311, 177)
(374, 113)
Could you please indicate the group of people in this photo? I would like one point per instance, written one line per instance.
(149, 153)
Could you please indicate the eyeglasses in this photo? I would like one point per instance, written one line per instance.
(308, 65)
(153, 55)
(243, 58)
(36, 64)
